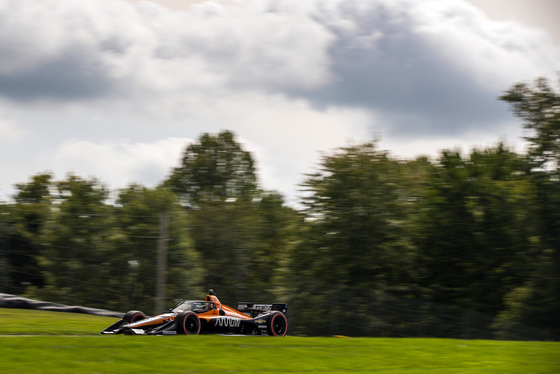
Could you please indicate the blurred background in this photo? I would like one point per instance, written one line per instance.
(374, 164)
(463, 246)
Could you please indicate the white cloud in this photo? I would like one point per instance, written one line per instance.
(9, 131)
(492, 53)
(122, 163)
(107, 48)
(287, 137)
(291, 78)
(359, 53)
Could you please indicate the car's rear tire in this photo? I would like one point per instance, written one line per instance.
(187, 323)
(277, 324)
(133, 316)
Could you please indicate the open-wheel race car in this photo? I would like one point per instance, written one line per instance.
(193, 317)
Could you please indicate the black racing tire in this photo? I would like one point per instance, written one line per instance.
(277, 324)
(133, 316)
(187, 323)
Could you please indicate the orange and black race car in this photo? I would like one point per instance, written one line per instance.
(192, 317)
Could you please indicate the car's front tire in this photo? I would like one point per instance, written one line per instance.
(277, 324)
(187, 323)
(133, 316)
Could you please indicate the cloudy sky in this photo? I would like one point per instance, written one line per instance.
(116, 89)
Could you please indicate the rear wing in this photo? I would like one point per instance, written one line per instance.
(253, 309)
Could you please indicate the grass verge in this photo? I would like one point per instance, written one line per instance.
(40, 322)
(92, 353)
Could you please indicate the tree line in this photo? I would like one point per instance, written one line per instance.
(462, 246)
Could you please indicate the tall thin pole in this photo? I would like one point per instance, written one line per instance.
(161, 265)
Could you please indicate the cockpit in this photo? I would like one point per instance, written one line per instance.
(194, 306)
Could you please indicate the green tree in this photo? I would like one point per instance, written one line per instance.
(24, 222)
(357, 246)
(277, 231)
(243, 234)
(223, 234)
(77, 244)
(6, 283)
(539, 108)
(214, 169)
(139, 217)
(537, 302)
(245, 247)
(475, 228)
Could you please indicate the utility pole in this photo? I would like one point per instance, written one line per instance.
(161, 264)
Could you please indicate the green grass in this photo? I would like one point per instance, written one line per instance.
(39, 322)
(79, 349)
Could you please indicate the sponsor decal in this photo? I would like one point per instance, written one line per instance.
(262, 306)
(169, 332)
(260, 321)
(228, 322)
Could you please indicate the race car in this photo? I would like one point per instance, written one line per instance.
(193, 317)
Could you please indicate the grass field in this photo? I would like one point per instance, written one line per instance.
(49, 342)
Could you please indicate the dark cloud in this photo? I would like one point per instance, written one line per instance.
(385, 65)
(403, 75)
(70, 77)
